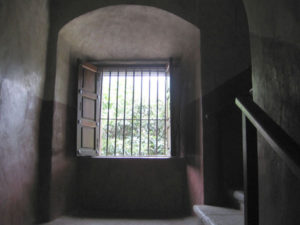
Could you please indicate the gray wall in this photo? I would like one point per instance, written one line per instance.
(225, 55)
(129, 33)
(133, 187)
(225, 62)
(224, 58)
(275, 50)
(23, 41)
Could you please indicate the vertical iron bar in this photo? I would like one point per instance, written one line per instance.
(141, 108)
(251, 213)
(156, 112)
(109, 87)
(165, 138)
(116, 123)
(149, 112)
(173, 124)
(100, 99)
(132, 113)
(124, 110)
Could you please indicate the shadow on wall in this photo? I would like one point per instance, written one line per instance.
(224, 48)
(120, 33)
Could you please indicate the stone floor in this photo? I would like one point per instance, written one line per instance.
(68, 220)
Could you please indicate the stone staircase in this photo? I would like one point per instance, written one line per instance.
(212, 215)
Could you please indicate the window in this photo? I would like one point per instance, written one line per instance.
(124, 110)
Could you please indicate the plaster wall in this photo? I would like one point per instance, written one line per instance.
(133, 187)
(224, 57)
(225, 66)
(275, 50)
(125, 33)
(23, 42)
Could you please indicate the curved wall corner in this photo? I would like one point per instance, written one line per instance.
(125, 32)
(225, 62)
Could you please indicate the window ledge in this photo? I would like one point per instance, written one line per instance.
(134, 158)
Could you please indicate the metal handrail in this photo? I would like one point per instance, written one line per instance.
(281, 142)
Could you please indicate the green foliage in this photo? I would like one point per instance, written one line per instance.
(149, 121)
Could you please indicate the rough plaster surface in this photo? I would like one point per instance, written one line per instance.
(223, 25)
(224, 54)
(279, 20)
(63, 170)
(224, 44)
(126, 33)
(275, 52)
(277, 91)
(22, 73)
(133, 186)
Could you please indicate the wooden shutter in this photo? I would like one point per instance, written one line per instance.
(88, 110)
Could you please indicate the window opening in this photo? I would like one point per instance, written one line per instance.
(135, 112)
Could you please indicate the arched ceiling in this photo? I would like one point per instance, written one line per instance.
(130, 32)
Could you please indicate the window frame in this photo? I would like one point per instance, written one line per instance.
(127, 64)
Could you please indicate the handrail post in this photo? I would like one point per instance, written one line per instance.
(250, 162)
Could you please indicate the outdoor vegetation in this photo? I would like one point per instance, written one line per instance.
(135, 114)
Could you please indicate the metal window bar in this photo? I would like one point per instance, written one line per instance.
(117, 104)
(165, 122)
(109, 87)
(132, 112)
(149, 110)
(113, 119)
(124, 115)
(156, 141)
(133, 119)
(141, 109)
(100, 103)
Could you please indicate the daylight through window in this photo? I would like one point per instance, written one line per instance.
(135, 112)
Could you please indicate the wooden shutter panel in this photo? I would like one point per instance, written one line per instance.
(88, 110)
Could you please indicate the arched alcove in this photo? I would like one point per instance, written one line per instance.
(210, 89)
(126, 32)
(130, 32)
(47, 164)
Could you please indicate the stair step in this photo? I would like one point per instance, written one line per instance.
(212, 215)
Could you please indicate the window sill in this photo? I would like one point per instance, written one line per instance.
(134, 158)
